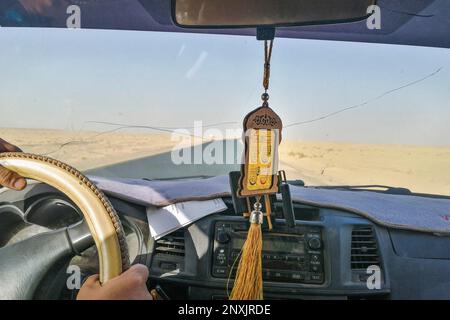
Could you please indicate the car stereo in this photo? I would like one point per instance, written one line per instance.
(288, 254)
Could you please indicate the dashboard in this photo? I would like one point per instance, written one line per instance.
(325, 256)
(328, 254)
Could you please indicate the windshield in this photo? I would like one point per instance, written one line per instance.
(132, 104)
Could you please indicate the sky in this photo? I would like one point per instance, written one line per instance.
(62, 79)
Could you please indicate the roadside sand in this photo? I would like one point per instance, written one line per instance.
(87, 150)
(422, 169)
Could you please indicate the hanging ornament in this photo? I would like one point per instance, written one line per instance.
(258, 179)
(262, 135)
(248, 284)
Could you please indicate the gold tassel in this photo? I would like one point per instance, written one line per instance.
(248, 284)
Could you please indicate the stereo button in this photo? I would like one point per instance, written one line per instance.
(314, 243)
(315, 258)
(223, 237)
(299, 259)
(297, 276)
(317, 277)
(278, 275)
(267, 275)
(219, 271)
(221, 256)
(315, 268)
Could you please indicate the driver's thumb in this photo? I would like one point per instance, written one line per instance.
(137, 274)
(11, 179)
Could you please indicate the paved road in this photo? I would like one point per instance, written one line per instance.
(161, 166)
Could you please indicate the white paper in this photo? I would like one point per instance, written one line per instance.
(165, 220)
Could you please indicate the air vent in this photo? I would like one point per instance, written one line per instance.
(364, 248)
(172, 244)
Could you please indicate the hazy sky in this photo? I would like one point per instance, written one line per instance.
(63, 78)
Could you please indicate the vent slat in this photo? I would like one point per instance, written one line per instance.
(364, 255)
(363, 235)
(172, 244)
(363, 241)
(364, 248)
(161, 248)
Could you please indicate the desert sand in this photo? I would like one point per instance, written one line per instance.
(87, 150)
(421, 169)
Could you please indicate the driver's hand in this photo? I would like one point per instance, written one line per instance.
(8, 178)
(130, 285)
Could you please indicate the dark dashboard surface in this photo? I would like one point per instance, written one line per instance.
(330, 254)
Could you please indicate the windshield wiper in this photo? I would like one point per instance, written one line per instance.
(372, 187)
(179, 178)
(383, 189)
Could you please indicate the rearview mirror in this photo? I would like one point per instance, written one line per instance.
(274, 13)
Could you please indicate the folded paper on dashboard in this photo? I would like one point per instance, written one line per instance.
(165, 220)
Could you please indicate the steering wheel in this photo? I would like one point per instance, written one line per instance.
(23, 265)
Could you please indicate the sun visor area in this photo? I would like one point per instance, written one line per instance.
(407, 22)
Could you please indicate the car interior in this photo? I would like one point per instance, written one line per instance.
(320, 242)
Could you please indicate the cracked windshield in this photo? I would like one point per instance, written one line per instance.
(167, 105)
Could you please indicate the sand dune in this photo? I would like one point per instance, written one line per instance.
(421, 169)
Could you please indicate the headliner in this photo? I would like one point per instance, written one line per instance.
(405, 22)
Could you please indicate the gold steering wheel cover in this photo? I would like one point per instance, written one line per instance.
(100, 216)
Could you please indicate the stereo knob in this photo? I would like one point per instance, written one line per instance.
(223, 237)
(314, 243)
